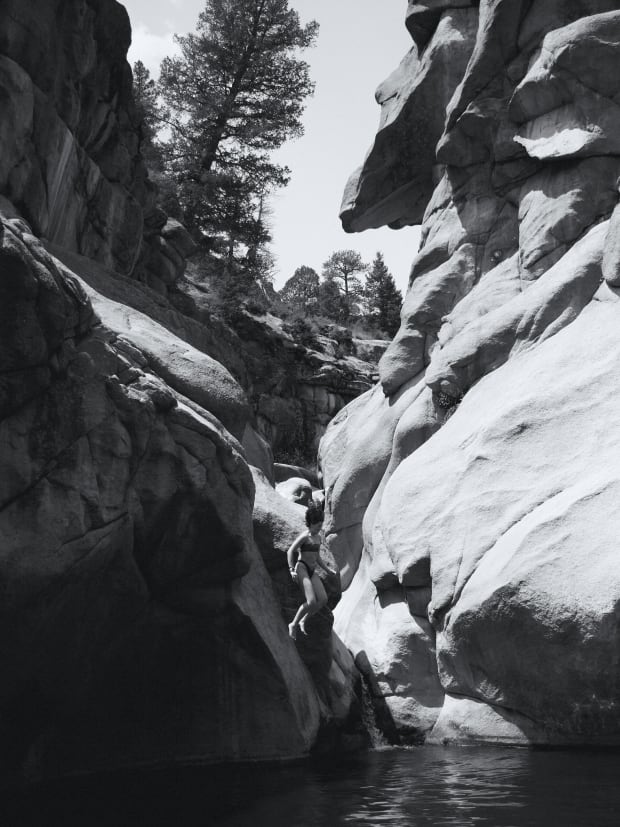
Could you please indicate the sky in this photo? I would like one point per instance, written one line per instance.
(360, 42)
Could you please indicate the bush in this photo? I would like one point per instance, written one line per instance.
(302, 332)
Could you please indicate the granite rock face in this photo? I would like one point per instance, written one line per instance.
(136, 604)
(295, 383)
(70, 141)
(142, 621)
(477, 531)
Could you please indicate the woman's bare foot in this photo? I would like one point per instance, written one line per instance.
(292, 630)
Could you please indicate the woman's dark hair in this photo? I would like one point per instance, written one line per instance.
(314, 514)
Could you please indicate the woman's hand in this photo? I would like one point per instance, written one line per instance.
(293, 573)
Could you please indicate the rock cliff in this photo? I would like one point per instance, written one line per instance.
(71, 160)
(295, 383)
(145, 592)
(471, 494)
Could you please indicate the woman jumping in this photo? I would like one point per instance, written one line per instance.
(303, 560)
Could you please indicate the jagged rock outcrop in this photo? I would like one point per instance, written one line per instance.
(141, 619)
(471, 493)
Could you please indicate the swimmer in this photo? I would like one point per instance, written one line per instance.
(303, 561)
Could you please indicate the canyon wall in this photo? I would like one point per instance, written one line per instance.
(471, 494)
(145, 590)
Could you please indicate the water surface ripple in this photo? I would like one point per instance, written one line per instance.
(420, 787)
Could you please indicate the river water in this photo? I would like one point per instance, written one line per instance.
(419, 787)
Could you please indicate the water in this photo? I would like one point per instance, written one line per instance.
(420, 787)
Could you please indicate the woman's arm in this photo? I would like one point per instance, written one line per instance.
(325, 568)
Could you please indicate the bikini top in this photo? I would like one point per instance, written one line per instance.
(309, 547)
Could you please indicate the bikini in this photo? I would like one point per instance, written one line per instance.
(309, 569)
(311, 548)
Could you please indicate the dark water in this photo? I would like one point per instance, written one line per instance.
(392, 788)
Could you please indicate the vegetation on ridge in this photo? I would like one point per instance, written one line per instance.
(209, 125)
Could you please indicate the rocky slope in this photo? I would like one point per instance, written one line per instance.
(295, 383)
(144, 584)
(472, 493)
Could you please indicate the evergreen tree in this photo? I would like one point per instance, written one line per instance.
(344, 268)
(235, 94)
(383, 299)
(331, 301)
(301, 291)
(149, 112)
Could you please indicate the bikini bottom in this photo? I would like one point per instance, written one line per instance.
(308, 568)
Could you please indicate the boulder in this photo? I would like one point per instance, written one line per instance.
(296, 489)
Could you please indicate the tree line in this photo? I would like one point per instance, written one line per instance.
(349, 289)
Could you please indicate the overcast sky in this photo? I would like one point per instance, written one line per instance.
(360, 42)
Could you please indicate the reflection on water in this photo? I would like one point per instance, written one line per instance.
(421, 787)
(448, 786)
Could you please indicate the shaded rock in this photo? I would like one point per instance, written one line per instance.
(132, 583)
(294, 390)
(557, 207)
(282, 471)
(258, 452)
(277, 522)
(189, 371)
(422, 18)
(138, 612)
(396, 179)
(71, 137)
(611, 253)
(178, 238)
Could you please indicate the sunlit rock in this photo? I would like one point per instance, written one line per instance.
(490, 528)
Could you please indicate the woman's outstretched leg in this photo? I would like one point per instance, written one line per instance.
(320, 600)
(306, 607)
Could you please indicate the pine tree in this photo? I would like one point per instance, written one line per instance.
(345, 267)
(235, 94)
(301, 291)
(149, 113)
(331, 302)
(383, 299)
